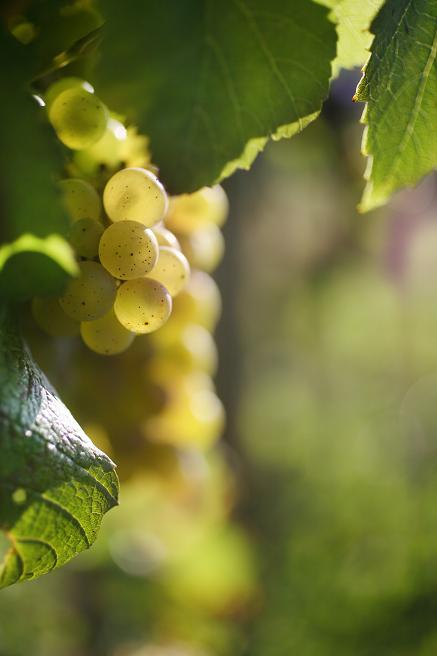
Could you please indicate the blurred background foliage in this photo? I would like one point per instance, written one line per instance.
(312, 528)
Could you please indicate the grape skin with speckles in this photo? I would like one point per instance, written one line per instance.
(135, 194)
(128, 250)
(89, 296)
(171, 270)
(142, 305)
(63, 84)
(81, 200)
(85, 236)
(78, 117)
(106, 335)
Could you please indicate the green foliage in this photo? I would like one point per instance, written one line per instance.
(31, 211)
(203, 79)
(400, 87)
(55, 486)
(354, 38)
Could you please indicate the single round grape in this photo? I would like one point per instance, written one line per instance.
(194, 350)
(81, 200)
(142, 305)
(171, 270)
(135, 194)
(165, 237)
(79, 118)
(106, 335)
(51, 318)
(204, 248)
(91, 295)
(200, 301)
(84, 236)
(128, 250)
(189, 212)
(63, 84)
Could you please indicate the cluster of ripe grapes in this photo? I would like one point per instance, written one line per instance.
(134, 245)
(145, 262)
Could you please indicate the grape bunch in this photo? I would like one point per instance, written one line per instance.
(145, 262)
(131, 265)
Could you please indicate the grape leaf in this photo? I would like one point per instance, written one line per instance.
(353, 21)
(203, 79)
(55, 485)
(400, 88)
(29, 202)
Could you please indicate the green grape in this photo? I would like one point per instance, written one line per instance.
(204, 248)
(63, 84)
(106, 335)
(128, 250)
(165, 237)
(199, 303)
(84, 236)
(107, 150)
(24, 32)
(79, 117)
(81, 200)
(142, 305)
(194, 416)
(51, 318)
(135, 194)
(195, 350)
(89, 296)
(189, 212)
(171, 270)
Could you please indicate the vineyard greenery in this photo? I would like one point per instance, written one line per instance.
(196, 89)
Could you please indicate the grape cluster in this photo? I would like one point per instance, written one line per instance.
(145, 263)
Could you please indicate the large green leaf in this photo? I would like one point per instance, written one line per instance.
(203, 78)
(400, 88)
(55, 486)
(29, 202)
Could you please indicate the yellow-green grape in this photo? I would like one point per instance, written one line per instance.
(51, 318)
(79, 117)
(24, 32)
(142, 305)
(128, 250)
(171, 270)
(81, 200)
(84, 236)
(106, 335)
(199, 303)
(195, 350)
(165, 237)
(63, 84)
(135, 194)
(89, 296)
(189, 212)
(204, 248)
(107, 150)
(194, 416)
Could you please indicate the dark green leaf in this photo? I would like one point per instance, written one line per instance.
(400, 88)
(55, 485)
(204, 78)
